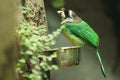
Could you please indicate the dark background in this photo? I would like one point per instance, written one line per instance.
(103, 16)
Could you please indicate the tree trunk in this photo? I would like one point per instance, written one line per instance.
(7, 38)
(36, 15)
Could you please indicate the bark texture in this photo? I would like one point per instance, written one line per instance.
(37, 13)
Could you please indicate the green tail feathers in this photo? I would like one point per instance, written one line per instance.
(101, 64)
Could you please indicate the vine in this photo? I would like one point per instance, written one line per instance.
(33, 44)
(33, 63)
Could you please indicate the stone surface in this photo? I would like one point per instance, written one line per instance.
(7, 39)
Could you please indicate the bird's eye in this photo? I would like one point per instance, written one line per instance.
(59, 12)
(62, 14)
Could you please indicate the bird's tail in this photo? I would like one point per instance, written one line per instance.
(101, 64)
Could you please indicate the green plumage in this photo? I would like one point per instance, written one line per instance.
(84, 31)
(80, 33)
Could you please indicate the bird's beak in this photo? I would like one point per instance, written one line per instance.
(62, 22)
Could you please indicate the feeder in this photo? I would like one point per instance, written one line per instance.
(66, 56)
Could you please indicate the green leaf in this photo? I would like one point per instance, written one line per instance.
(26, 42)
(49, 58)
(51, 37)
(44, 38)
(35, 32)
(54, 55)
(35, 71)
(22, 60)
(25, 8)
(33, 61)
(37, 67)
(29, 52)
(42, 27)
(52, 42)
(54, 67)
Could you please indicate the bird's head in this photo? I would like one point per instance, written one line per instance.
(68, 16)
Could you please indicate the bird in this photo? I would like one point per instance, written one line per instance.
(79, 32)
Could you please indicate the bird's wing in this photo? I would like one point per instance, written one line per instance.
(83, 30)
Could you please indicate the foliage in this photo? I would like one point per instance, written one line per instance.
(33, 40)
(33, 44)
(58, 3)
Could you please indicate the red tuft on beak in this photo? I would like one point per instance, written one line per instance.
(62, 9)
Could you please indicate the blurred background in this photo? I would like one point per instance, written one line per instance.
(103, 16)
